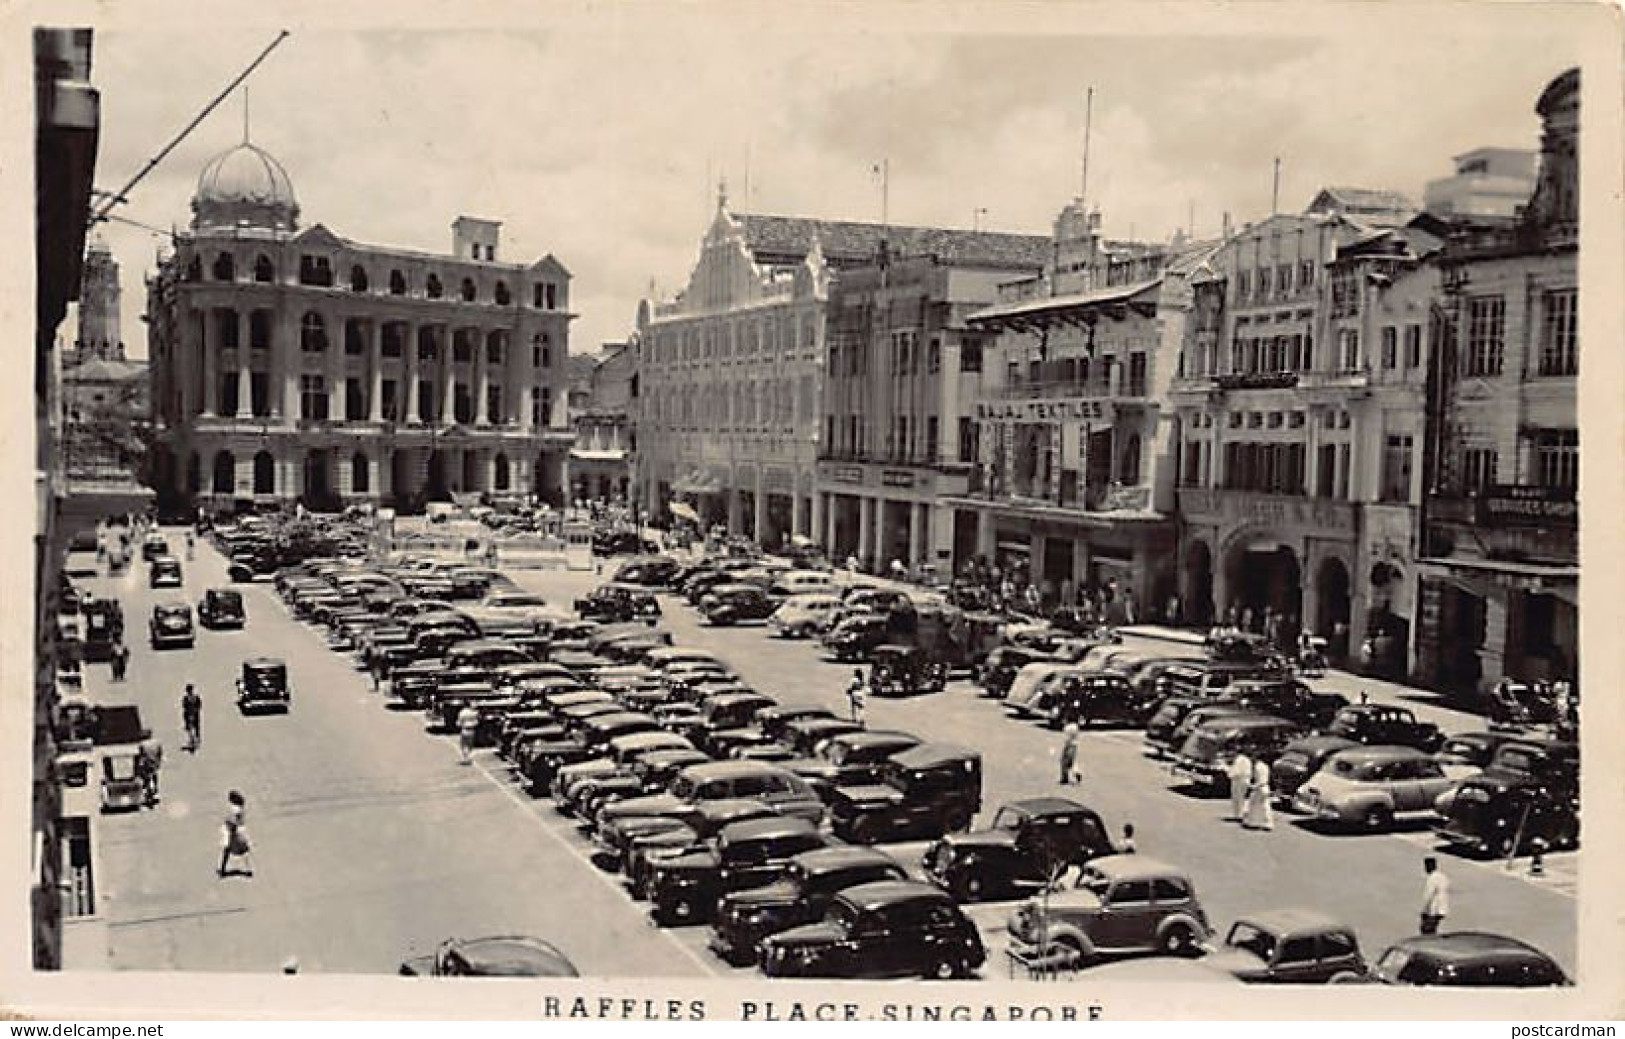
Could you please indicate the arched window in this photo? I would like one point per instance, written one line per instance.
(315, 270)
(225, 473)
(263, 269)
(225, 267)
(194, 473)
(312, 333)
(502, 296)
(264, 473)
(358, 278)
(359, 474)
(397, 283)
(468, 290)
(432, 287)
(501, 474)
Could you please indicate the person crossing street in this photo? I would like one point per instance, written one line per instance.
(857, 695)
(192, 718)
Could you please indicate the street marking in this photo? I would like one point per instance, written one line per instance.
(613, 883)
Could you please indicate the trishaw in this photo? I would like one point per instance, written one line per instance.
(263, 684)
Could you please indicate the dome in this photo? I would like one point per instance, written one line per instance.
(245, 186)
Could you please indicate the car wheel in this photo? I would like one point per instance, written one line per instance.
(1378, 818)
(1178, 940)
(945, 969)
(1074, 948)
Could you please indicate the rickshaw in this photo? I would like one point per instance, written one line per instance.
(263, 684)
(904, 671)
(123, 787)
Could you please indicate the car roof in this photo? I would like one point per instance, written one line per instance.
(171, 607)
(516, 954)
(264, 662)
(1293, 921)
(1048, 806)
(829, 860)
(737, 586)
(1134, 867)
(1471, 945)
(868, 897)
(1250, 721)
(925, 755)
(1381, 752)
(760, 829)
(729, 769)
(868, 736)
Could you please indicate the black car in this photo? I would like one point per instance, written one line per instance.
(1029, 844)
(904, 671)
(1381, 725)
(503, 956)
(263, 684)
(854, 637)
(171, 625)
(652, 840)
(685, 889)
(588, 740)
(925, 791)
(651, 571)
(622, 542)
(1298, 761)
(1001, 665)
(1286, 698)
(1102, 697)
(810, 883)
(1529, 793)
(735, 603)
(894, 928)
(851, 758)
(775, 721)
(1467, 958)
(726, 711)
(221, 608)
(617, 603)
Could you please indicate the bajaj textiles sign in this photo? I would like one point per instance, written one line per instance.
(1059, 410)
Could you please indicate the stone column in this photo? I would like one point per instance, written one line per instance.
(986, 536)
(285, 349)
(448, 379)
(919, 552)
(482, 414)
(375, 370)
(334, 367)
(211, 366)
(816, 527)
(798, 513)
(759, 510)
(735, 507)
(866, 524)
(244, 382)
(412, 376)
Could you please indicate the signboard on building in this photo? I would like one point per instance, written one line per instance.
(1508, 505)
(847, 474)
(897, 478)
(1281, 512)
(1045, 410)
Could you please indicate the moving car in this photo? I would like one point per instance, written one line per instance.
(893, 928)
(171, 625)
(1029, 843)
(263, 685)
(1291, 946)
(508, 956)
(221, 608)
(1467, 958)
(1123, 903)
(810, 883)
(1370, 786)
(164, 572)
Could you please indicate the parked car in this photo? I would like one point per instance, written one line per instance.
(853, 638)
(1530, 793)
(736, 603)
(803, 615)
(894, 928)
(685, 889)
(649, 571)
(1469, 753)
(652, 840)
(622, 542)
(164, 572)
(1286, 698)
(904, 671)
(1467, 958)
(1163, 740)
(999, 670)
(1029, 843)
(617, 603)
(1090, 699)
(851, 758)
(1123, 903)
(171, 625)
(1380, 724)
(221, 608)
(1290, 946)
(1205, 757)
(1299, 760)
(796, 583)
(696, 785)
(925, 791)
(505, 956)
(802, 895)
(1371, 786)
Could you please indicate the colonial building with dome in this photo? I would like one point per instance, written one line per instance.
(291, 364)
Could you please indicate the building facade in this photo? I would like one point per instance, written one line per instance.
(1488, 182)
(903, 375)
(1286, 400)
(601, 460)
(1074, 486)
(1499, 578)
(290, 364)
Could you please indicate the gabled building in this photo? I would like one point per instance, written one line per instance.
(294, 364)
(601, 460)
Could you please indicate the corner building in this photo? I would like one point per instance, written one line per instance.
(292, 364)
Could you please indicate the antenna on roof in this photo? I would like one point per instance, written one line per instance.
(1088, 123)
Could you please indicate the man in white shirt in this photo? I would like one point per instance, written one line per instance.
(1435, 896)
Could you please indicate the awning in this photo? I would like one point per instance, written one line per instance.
(1072, 309)
(1555, 579)
(591, 455)
(682, 510)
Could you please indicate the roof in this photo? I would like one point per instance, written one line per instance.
(773, 826)
(927, 754)
(1358, 202)
(846, 242)
(885, 892)
(1047, 806)
(516, 956)
(1381, 752)
(1460, 945)
(1293, 921)
(729, 769)
(100, 370)
(1132, 867)
(1071, 301)
(829, 860)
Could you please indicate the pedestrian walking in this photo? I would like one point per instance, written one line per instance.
(120, 661)
(1240, 774)
(192, 718)
(1069, 753)
(468, 722)
(1260, 813)
(191, 546)
(1125, 845)
(1435, 895)
(234, 835)
(857, 695)
(149, 758)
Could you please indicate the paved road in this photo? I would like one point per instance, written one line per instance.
(370, 838)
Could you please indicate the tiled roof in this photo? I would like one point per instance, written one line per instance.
(846, 242)
(1365, 201)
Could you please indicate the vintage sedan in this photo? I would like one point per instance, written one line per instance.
(893, 928)
(1291, 946)
(1207, 754)
(503, 956)
(1123, 903)
(851, 758)
(925, 791)
(810, 883)
(1030, 843)
(1370, 786)
(1467, 958)
(736, 603)
(221, 608)
(171, 625)
(685, 889)
(801, 616)
(1300, 760)
(1381, 725)
(164, 572)
(617, 603)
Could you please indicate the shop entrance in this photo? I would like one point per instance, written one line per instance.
(1263, 574)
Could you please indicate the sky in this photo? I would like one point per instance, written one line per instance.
(600, 135)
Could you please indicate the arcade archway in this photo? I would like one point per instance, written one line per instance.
(1262, 574)
(1198, 605)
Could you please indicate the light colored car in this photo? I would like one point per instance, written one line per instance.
(1033, 682)
(802, 582)
(801, 616)
(1124, 903)
(1371, 786)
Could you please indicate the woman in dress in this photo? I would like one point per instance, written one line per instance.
(1260, 814)
(234, 835)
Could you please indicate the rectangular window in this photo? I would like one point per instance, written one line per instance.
(1343, 471)
(1390, 348)
(1326, 471)
(312, 397)
(1477, 468)
(970, 356)
(1348, 349)
(1486, 336)
(930, 440)
(544, 398)
(1244, 286)
(1306, 273)
(259, 384)
(1345, 295)
(935, 364)
(1396, 469)
(389, 401)
(1557, 458)
(1136, 374)
(1413, 346)
(426, 408)
(1559, 338)
(1263, 283)
(967, 440)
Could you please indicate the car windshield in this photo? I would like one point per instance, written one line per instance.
(1398, 966)
(1516, 759)
(1459, 750)
(1096, 884)
(1008, 819)
(843, 915)
(506, 601)
(1258, 942)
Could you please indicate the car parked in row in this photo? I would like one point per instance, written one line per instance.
(925, 791)
(810, 882)
(1029, 844)
(685, 889)
(1122, 904)
(1370, 787)
(894, 928)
